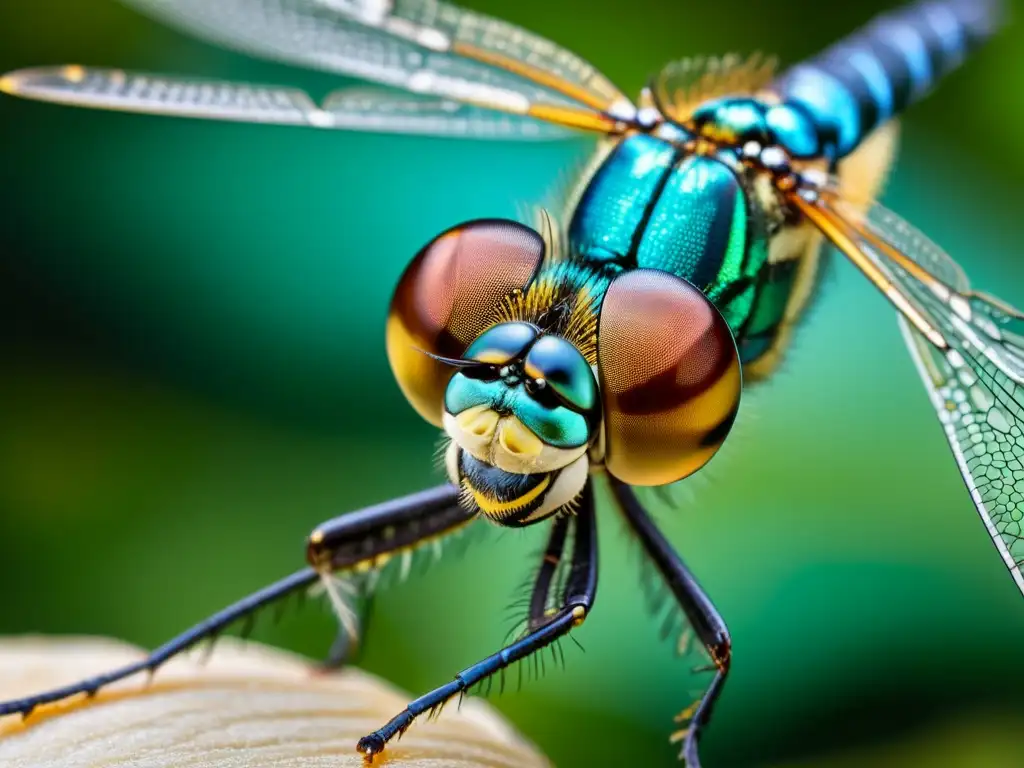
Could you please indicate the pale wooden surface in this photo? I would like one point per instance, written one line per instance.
(249, 705)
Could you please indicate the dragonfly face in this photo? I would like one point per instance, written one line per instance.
(521, 421)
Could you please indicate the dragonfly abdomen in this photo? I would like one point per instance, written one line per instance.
(651, 205)
(874, 74)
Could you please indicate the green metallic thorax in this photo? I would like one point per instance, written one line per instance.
(652, 205)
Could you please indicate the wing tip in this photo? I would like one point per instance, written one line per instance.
(9, 83)
(26, 82)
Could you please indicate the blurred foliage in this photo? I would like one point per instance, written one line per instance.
(191, 327)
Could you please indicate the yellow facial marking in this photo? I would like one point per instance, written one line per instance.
(533, 371)
(480, 421)
(518, 440)
(316, 537)
(492, 356)
(493, 507)
(504, 442)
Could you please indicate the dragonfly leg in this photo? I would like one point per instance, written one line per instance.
(208, 628)
(346, 649)
(580, 589)
(343, 650)
(369, 538)
(345, 542)
(700, 613)
(553, 556)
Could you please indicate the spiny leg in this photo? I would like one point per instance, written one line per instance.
(542, 602)
(580, 589)
(364, 541)
(700, 612)
(371, 536)
(208, 628)
(553, 554)
(350, 538)
(366, 535)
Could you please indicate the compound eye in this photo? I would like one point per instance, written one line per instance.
(670, 377)
(565, 370)
(503, 343)
(447, 297)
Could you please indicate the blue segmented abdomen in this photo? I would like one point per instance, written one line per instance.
(861, 82)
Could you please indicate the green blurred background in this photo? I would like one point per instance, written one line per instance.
(191, 328)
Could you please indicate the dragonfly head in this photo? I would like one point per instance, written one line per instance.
(519, 404)
(643, 381)
(522, 411)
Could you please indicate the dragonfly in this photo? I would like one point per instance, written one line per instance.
(608, 342)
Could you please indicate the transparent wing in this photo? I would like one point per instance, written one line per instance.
(360, 109)
(907, 240)
(925, 274)
(425, 47)
(980, 411)
(157, 94)
(684, 85)
(969, 349)
(383, 110)
(398, 42)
